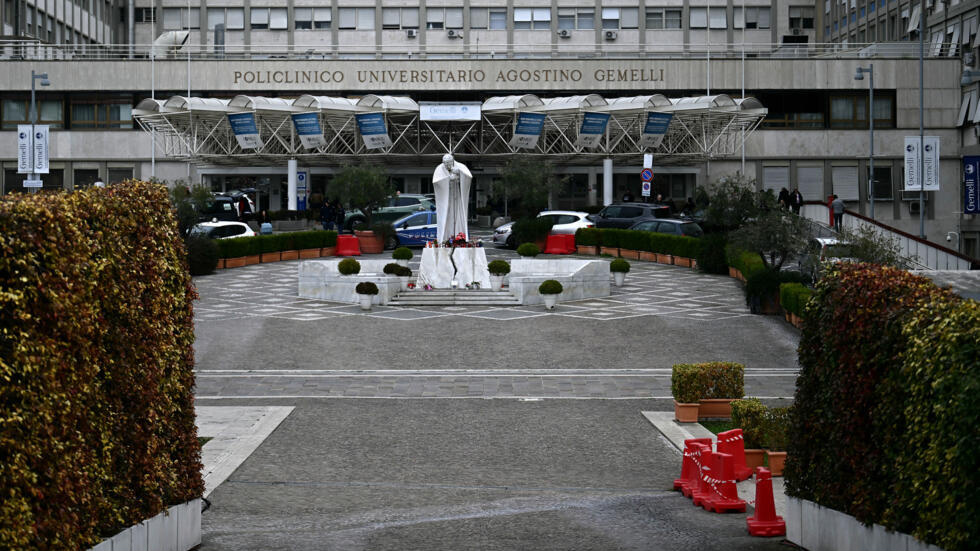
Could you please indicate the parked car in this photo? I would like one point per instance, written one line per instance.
(564, 221)
(222, 230)
(820, 250)
(397, 207)
(219, 208)
(624, 215)
(672, 226)
(414, 230)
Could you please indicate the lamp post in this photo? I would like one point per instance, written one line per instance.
(859, 75)
(43, 77)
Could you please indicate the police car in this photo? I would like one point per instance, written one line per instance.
(415, 230)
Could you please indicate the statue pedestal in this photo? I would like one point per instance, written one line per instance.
(436, 268)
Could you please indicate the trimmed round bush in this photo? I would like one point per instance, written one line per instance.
(498, 267)
(402, 253)
(403, 271)
(349, 266)
(619, 265)
(550, 287)
(391, 268)
(690, 383)
(202, 255)
(366, 288)
(528, 249)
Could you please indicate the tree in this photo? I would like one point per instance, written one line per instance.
(364, 187)
(733, 202)
(531, 182)
(868, 245)
(189, 203)
(775, 235)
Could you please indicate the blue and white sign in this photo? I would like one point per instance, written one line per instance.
(439, 111)
(528, 130)
(308, 129)
(245, 130)
(592, 129)
(645, 188)
(25, 149)
(654, 129)
(971, 187)
(928, 156)
(373, 130)
(301, 193)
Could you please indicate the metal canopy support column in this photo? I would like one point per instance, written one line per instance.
(607, 181)
(291, 183)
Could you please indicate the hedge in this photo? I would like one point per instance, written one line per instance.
(609, 237)
(246, 246)
(692, 382)
(793, 297)
(530, 230)
(745, 262)
(588, 237)
(97, 427)
(634, 240)
(749, 414)
(878, 430)
(711, 253)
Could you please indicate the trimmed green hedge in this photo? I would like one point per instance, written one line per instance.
(292, 241)
(692, 382)
(885, 416)
(793, 297)
(745, 262)
(97, 427)
(749, 414)
(530, 230)
(711, 253)
(634, 240)
(588, 237)
(609, 237)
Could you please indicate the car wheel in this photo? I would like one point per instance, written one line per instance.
(391, 242)
(510, 242)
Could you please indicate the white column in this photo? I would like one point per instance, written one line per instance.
(592, 188)
(607, 181)
(291, 185)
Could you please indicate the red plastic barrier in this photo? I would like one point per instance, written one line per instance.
(731, 442)
(694, 476)
(570, 243)
(347, 245)
(688, 465)
(722, 496)
(555, 244)
(765, 522)
(705, 460)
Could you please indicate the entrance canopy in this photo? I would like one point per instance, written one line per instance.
(254, 130)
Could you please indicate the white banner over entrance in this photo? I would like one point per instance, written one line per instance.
(926, 156)
(592, 130)
(440, 111)
(308, 129)
(373, 130)
(245, 130)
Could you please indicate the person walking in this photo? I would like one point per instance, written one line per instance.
(796, 201)
(327, 215)
(837, 206)
(783, 199)
(339, 215)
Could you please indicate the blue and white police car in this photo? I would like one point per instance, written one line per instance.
(415, 230)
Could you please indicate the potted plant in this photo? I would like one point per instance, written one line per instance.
(619, 268)
(776, 426)
(289, 249)
(327, 242)
(724, 382)
(550, 289)
(587, 240)
(366, 291)
(528, 250)
(609, 241)
(498, 269)
(686, 386)
(749, 414)
(402, 255)
(364, 187)
(349, 266)
(404, 274)
(391, 269)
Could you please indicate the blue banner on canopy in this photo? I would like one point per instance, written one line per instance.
(308, 129)
(528, 130)
(971, 173)
(654, 129)
(373, 130)
(592, 129)
(245, 130)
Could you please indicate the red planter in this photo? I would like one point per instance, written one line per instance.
(309, 253)
(369, 243)
(236, 262)
(777, 461)
(328, 251)
(271, 257)
(755, 458)
(586, 249)
(648, 256)
(289, 255)
(252, 259)
(681, 261)
(685, 413)
(664, 258)
(720, 408)
(221, 264)
(629, 253)
(614, 251)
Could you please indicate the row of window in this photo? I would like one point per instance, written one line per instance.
(844, 181)
(820, 110)
(82, 113)
(480, 18)
(38, 24)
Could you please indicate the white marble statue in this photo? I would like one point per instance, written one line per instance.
(451, 181)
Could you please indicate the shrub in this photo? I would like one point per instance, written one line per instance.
(776, 428)
(366, 288)
(619, 265)
(686, 384)
(402, 253)
(531, 230)
(97, 425)
(550, 287)
(763, 284)
(349, 266)
(384, 230)
(684, 246)
(609, 237)
(528, 249)
(202, 255)
(269, 243)
(793, 297)
(634, 240)
(391, 268)
(307, 239)
(498, 267)
(749, 415)
(588, 237)
(287, 241)
(233, 248)
(745, 262)
(327, 238)
(708, 380)
(404, 271)
(711, 253)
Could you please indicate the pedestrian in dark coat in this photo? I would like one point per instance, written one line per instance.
(327, 215)
(796, 201)
(339, 215)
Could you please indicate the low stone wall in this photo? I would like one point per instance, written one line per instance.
(580, 278)
(176, 529)
(321, 280)
(819, 528)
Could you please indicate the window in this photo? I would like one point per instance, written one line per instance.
(883, 182)
(102, 113)
(698, 18)
(17, 111)
(145, 15)
(663, 18)
(399, 18)
(498, 19)
(488, 18)
(321, 18)
(176, 18)
(718, 18)
(532, 19)
(852, 112)
(610, 18)
(361, 19)
(629, 18)
(755, 18)
(232, 18)
(119, 175)
(444, 18)
(801, 17)
(259, 19)
(269, 18)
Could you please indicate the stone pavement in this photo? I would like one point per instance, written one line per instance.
(470, 429)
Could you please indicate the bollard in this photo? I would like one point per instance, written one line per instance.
(765, 522)
(687, 466)
(722, 495)
(731, 442)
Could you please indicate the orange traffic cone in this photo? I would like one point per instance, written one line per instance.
(723, 496)
(703, 489)
(765, 522)
(731, 442)
(688, 465)
(694, 476)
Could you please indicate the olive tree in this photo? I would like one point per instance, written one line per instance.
(775, 235)
(363, 187)
(530, 182)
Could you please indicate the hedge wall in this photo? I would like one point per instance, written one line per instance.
(245, 246)
(587, 237)
(793, 297)
(96, 407)
(884, 423)
(636, 240)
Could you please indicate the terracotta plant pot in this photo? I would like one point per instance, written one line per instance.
(648, 256)
(289, 255)
(252, 259)
(328, 251)
(236, 262)
(271, 257)
(614, 251)
(369, 243)
(685, 413)
(664, 258)
(732, 272)
(716, 408)
(681, 261)
(629, 253)
(221, 264)
(586, 249)
(694, 263)
(309, 253)
(777, 461)
(755, 457)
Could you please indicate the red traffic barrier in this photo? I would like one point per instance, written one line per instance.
(722, 496)
(570, 243)
(765, 522)
(688, 466)
(731, 442)
(347, 245)
(703, 489)
(556, 244)
(694, 476)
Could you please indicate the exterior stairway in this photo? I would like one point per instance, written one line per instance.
(458, 297)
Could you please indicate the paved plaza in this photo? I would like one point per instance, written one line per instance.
(470, 428)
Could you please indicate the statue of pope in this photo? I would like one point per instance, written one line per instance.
(451, 181)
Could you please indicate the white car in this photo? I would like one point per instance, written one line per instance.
(565, 221)
(222, 230)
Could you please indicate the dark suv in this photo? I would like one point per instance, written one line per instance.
(624, 215)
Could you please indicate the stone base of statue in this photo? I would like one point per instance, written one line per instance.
(437, 267)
